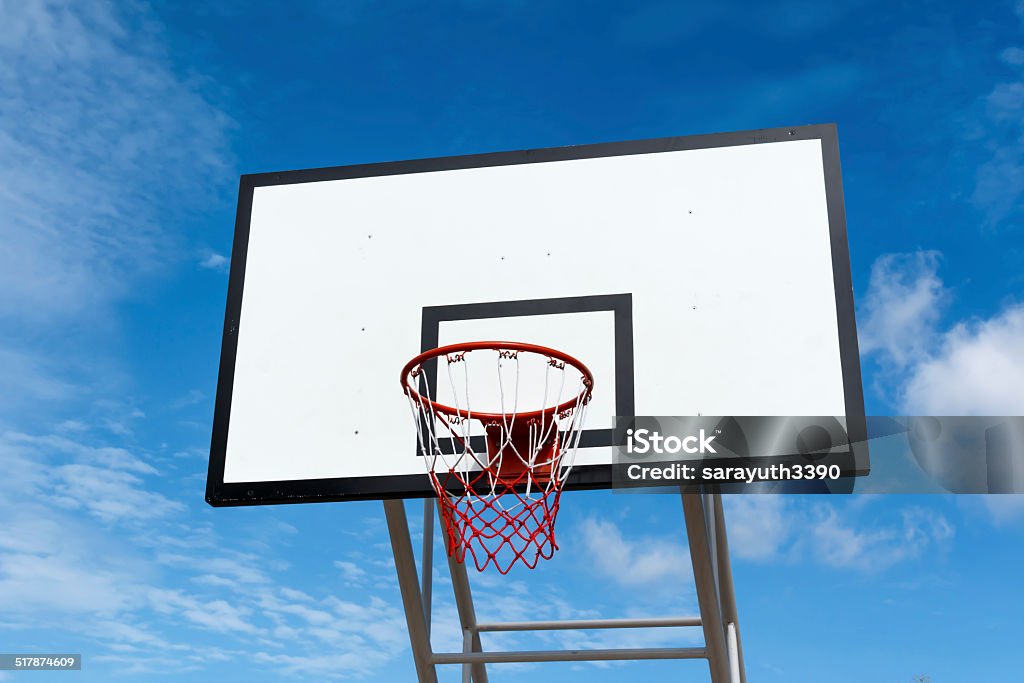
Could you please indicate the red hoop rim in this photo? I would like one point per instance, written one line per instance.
(580, 399)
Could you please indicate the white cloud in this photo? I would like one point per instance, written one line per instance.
(109, 495)
(351, 571)
(295, 595)
(1004, 509)
(634, 562)
(902, 306)
(27, 375)
(317, 666)
(1013, 56)
(240, 568)
(57, 568)
(758, 525)
(191, 398)
(215, 615)
(999, 181)
(135, 663)
(62, 579)
(125, 632)
(978, 370)
(364, 634)
(1006, 101)
(974, 368)
(835, 542)
(105, 482)
(139, 595)
(214, 261)
(103, 456)
(848, 536)
(215, 581)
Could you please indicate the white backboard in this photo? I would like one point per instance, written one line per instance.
(705, 275)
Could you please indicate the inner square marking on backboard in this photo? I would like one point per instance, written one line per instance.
(620, 305)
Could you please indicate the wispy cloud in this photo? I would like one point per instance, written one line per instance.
(759, 526)
(49, 567)
(235, 568)
(634, 562)
(836, 542)
(193, 397)
(216, 615)
(1004, 509)
(33, 385)
(1013, 56)
(999, 181)
(978, 369)
(974, 368)
(90, 544)
(104, 482)
(90, 156)
(847, 537)
(351, 571)
(211, 260)
(902, 306)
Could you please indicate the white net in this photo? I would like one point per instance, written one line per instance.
(498, 429)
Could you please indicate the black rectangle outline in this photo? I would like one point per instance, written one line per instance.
(621, 307)
(219, 493)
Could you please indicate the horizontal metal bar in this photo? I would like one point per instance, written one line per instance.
(569, 655)
(583, 624)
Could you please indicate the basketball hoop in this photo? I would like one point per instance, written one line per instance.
(498, 468)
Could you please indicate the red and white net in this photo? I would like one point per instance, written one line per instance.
(498, 434)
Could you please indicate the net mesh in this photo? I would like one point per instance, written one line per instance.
(499, 474)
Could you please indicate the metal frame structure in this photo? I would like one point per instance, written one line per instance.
(709, 553)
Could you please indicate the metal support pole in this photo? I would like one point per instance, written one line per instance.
(467, 613)
(467, 646)
(729, 611)
(712, 527)
(408, 584)
(734, 655)
(703, 576)
(427, 562)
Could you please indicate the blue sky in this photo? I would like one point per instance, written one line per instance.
(123, 130)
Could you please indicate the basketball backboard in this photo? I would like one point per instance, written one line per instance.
(693, 275)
